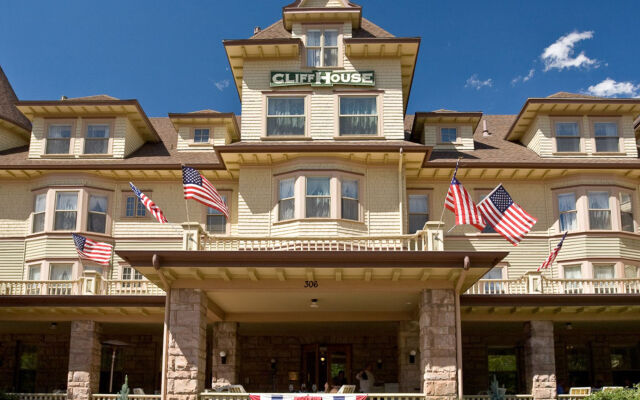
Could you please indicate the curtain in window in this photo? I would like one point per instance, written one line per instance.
(39, 212)
(350, 199)
(567, 208)
(358, 116)
(603, 272)
(626, 212)
(599, 213)
(573, 272)
(58, 139)
(66, 206)
(606, 134)
(567, 136)
(34, 273)
(630, 271)
(282, 116)
(60, 273)
(97, 219)
(318, 200)
(330, 48)
(286, 201)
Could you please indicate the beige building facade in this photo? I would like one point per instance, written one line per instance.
(336, 256)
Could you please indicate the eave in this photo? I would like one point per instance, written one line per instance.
(228, 119)
(570, 107)
(435, 117)
(404, 48)
(13, 126)
(239, 50)
(91, 108)
(291, 15)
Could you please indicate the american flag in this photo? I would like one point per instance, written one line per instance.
(506, 217)
(90, 249)
(197, 187)
(553, 254)
(151, 206)
(460, 202)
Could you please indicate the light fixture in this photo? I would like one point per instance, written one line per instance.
(53, 326)
(322, 359)
(273, 363)
(568, 326)
(314, 303)
(412, 357)
(223, 357)
(379, 363)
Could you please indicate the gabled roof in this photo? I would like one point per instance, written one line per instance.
(300, 11)
(367, 30)
(568, 95)
(8, 110)
(94, 97)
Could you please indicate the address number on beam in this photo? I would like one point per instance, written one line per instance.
(311, 284)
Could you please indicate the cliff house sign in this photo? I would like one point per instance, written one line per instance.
(322, 78)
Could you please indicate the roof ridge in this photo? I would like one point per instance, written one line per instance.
(8, 100)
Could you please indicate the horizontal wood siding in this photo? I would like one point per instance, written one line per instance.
(11, 259)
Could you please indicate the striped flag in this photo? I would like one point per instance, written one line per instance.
(460, 202)
(197, 187)
(506, 217)
(151, 206)
(90, 249)
(553, 254)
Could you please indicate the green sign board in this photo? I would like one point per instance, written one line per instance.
(322, 78)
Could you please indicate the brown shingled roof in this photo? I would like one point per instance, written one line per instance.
(8, 99)
(367, 30)
(94, 97)
(567, 95)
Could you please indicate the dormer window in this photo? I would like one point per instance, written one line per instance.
(59, 139)
(97, 139)
(606, 136)
(322, 48)
(448, 135)
(567, 137)
(201, 135)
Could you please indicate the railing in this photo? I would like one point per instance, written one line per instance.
(370, 396)
(506, 397)
(131, 288)
(38, 396)
(572, 396)
(131, 396)
(535, 283)
(15, 288)
(89, 285)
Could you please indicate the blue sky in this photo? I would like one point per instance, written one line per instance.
(168, 54)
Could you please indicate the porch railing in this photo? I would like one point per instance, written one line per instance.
(535, 283)
(572, 396)
(86, 285)
(39, 396)
(506, 397)
(131, 396)
(370, 396)
(131, 287)
(15, 287)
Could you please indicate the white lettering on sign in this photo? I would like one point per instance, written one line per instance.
(322, 78)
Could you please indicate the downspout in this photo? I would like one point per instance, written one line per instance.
(165, 333)
(400, 192)
(463, 274)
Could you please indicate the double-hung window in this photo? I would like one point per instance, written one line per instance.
(201, 135)
(568, 212)
(97, 139)
(318, 197)
(448, 135)
(606, 136)
(604, 273)
(567, 137)
(322, 48)
(134, 208)
(418, 211)
(39, 209)
(58, 139)
(216, 220)
(66, 211)
(358, 115)
(286, 199)
(129, 274)
(626, 212)
(97, 214)
(349, 201)
(599, 210)
(573, 275)
(285, 116)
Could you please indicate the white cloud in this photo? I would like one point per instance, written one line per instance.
(560, 55)
(474, 82)
(222, 85)
(525, 78)
(611, 88)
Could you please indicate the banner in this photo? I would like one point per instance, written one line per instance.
(322, 78)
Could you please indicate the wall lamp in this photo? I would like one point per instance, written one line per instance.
(412, 357)
(223, 357)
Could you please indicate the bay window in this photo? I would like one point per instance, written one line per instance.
(58, 139)
(604, 273)
(216, 220)
(201, 135)
(286, 199)
(285, 116)
(66, 211)
(97, 139)
(349, 203)
(626, 212)
(606, 137)
(318, 197)
(358, 115)
(322, 48)
(60, 272)
(568, 212)
(599, 210)
(418, 211)
(39, 211)
(34, 272)
(631, 271)
(567, 137)
(574, 274)
(97, 214)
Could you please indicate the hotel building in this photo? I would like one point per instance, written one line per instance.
(335, 254)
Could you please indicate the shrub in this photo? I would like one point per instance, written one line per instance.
(617, 394)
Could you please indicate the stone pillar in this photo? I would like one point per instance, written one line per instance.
(83, 378)
(438, 360)
(409, 367)
(224, 339)
(186, 358)
(539, 360)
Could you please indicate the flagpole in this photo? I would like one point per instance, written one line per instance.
(441, 222)
(186, 201)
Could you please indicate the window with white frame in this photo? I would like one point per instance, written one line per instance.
(358, 115)
(573, 276)
(603, 271)
(33, 272)
(97, 214)
(626, 212)
(134, 208)
(448, 134)
(216, 220)
(631, 271)
(286, 199)
(285, 116)
(322, 48)
(349, 200)
(572, 272)
(58, 139)
(128, 274)
(568, 217)
(606, 137)
(599, 210)
(97, 139)
(318, 197)
(201, 135)
(39, 212)
(60, 272)
(66, 211)
(418, 211)
(567, 136)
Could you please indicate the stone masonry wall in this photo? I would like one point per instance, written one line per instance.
(187, 348)
(438, 343)
(83, 377)
(540, 365)
(408, 341)
(224, 339)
